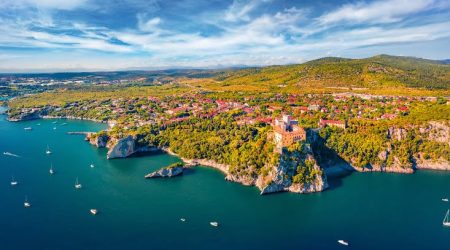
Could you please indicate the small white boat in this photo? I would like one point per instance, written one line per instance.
(47, 151)
(92, 166)
(10, 154)
(93, 211)
(343, 242)
(38, 124)
(64, 124)
(77, 185)
(14, 182)
(26, 204)
(445, 222)
(51, 171)
(54, 128)
(183, 219)
(214, 223)
(54, 122)
(28, 128)
(445, 199)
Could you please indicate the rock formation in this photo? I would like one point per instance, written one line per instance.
(166, 172)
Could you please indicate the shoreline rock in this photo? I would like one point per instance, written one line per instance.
(167, 172)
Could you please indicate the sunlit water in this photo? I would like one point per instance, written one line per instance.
(370, 211)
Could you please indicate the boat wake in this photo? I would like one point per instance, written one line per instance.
(10, 154)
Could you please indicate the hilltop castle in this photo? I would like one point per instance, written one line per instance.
(287, 132)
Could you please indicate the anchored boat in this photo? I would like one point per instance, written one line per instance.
(77, 185)
(445, 222)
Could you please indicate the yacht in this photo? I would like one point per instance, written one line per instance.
(14, 182)
(26, 203)
(214, 223)
(343, 242)
(445, 222)
(183, 219)
(93, 211)
(77, 185)
(445, 199)
(54, 128)
(47, 151)
(92, 166)
(51, 171)
(28, 128)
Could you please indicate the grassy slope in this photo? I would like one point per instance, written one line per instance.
(376, 72)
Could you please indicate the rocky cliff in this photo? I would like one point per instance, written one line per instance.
(297, 171)
(25, 116)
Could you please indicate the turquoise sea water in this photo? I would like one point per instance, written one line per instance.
(370, 211)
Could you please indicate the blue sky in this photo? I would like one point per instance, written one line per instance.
(78, 35)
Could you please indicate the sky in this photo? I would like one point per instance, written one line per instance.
(97, 35)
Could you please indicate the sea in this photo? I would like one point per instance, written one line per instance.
(367, 210)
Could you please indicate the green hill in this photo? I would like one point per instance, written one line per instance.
(377, 71)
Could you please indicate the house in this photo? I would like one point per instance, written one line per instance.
(336, 123)
(313, 107)
(287, 132)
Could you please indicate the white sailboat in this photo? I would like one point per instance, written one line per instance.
(214, 223)
(47, 151)
(445, 222)
(51, 171)
(92, 165)
(77, 185)
(26, 203)
(13, 182)
(343, 242)
(93, 211)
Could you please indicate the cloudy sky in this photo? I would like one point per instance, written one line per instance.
(75, 35)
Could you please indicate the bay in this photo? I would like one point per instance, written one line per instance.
(369, 210)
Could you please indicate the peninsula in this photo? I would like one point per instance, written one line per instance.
(281, 128)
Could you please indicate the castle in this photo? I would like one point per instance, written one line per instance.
(287, 132)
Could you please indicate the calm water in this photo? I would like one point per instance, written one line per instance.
(371, 211)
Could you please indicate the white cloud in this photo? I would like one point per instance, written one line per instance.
(382, 11)
(43, 4)
(239, 10)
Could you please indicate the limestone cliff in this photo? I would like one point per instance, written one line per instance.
(121, 148)
(97, 139)
(297, 171)
(25, 116)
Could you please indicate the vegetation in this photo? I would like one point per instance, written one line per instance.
(378, 71)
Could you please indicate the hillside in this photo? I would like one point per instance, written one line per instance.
(377, 71)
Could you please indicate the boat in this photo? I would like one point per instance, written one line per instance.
(343, 242)
(92, 166)
(47, 151)
(93, 211)
(445, 222)
(214, 223)
(10, 154)
(54, 128)
(77, 185)
(26, 203)
(28, 128)
(64, 124)
(445, 199)
(14, 182)
(54, 122)
(183, 219)
(51, 171)
(38, 124)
